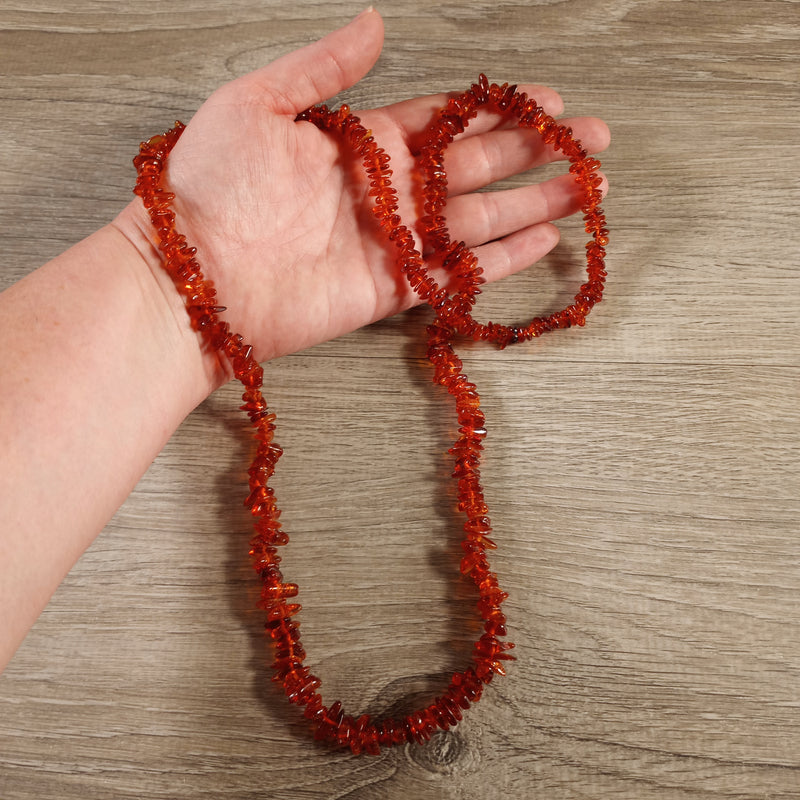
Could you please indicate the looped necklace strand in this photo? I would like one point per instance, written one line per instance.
(452, 306)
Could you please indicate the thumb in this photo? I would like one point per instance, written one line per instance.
(320, 70)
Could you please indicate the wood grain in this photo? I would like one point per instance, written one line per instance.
(643, 472)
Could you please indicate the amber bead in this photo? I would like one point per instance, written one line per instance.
(450, 709)
(282, 611)
(263, 554)
(272, 534)
(279, 592)
(282, 629)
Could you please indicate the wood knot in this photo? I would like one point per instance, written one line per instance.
(447, 752)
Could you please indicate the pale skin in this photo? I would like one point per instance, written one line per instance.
(99, 364)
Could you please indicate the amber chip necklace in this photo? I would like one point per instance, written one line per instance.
(452, 305)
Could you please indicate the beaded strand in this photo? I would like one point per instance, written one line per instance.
(452, 307)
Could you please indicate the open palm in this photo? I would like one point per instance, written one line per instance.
(279, 210)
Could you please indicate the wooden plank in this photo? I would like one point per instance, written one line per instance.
(642, 472)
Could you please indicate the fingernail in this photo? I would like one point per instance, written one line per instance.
(365, 12)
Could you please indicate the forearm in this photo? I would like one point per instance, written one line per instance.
(98, 369)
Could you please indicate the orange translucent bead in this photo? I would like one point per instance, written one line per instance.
(281, 591)
(473, 560)
(264, 555)
(282, 611)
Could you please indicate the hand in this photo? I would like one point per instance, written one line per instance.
(281, 216)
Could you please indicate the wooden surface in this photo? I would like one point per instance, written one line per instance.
(643, 471)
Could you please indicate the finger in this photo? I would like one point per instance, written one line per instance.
(483, 217)
(413, 117)
(477, 161)
(512, 253)
(317, 72)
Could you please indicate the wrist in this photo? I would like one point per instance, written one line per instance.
(202, 367)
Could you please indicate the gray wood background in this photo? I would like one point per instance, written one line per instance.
(643, 471)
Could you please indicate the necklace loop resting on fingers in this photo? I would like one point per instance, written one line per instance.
(452, 306)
